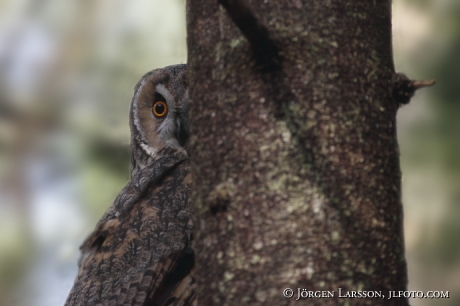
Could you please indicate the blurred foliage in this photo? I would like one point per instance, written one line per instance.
(67, 73)
(429, 137)
(108, 169)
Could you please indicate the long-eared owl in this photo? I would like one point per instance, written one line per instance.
(139, 252)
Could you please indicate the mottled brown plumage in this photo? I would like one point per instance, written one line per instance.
(139, 252)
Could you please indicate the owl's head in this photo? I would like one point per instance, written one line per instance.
(159, 113)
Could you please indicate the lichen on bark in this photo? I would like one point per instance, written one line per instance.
(296, 171)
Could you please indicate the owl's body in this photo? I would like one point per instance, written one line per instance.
(139, 252)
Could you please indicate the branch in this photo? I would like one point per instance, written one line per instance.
(404, 88)
(264, 49)
(425, 83)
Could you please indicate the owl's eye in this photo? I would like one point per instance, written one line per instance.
(160, 109)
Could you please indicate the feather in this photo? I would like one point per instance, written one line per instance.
(138, 254)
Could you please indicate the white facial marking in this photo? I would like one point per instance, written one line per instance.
(135, 109)
(148, 149)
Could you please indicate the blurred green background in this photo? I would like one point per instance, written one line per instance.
(67, 72)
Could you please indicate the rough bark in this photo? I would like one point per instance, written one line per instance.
(295, 166)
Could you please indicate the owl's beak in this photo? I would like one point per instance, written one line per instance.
(181, 133)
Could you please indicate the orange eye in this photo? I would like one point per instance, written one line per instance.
(160, 109)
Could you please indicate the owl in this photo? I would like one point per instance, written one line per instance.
(139, 252)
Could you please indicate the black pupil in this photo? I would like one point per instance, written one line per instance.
(160, 108)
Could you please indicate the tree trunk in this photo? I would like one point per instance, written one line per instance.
(294, 152)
